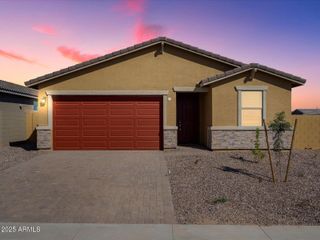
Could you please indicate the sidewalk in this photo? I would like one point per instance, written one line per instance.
(69, 231)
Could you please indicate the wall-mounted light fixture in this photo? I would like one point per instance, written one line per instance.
(43, 101)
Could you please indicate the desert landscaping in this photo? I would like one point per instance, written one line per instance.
(231, 187)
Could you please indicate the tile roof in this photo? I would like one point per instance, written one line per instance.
(15, 89)
(128, 50)
(306, 112)
(247, 67)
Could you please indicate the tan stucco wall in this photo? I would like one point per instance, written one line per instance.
(307, 134)
(225, 97)
(145, 70)
(15, 123)
(205, 115)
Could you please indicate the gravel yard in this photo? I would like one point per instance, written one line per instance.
(11, 156)
(232, 188)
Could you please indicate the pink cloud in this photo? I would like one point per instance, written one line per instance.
(143, 32)
(130, 7)
(75, 55)
(45, 29)
(14, 56)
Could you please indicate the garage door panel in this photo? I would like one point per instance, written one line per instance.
(94, 133)
(148, 123)
(94, 144)
(66, 127)
(94, 104)
(68, 132)
(147, 112)
(94, 112)
(119, 122)
(146, 139)
(147, 133)
(148, 116)
(121, 112)
(67, 112)
(149, 104)
(94, 122)
(63, 146)
(121, 133)
(121, 145)
(100, 122)
(147, 145)
(68, 122)
(66, 143)
(66, 105)
(121, 108)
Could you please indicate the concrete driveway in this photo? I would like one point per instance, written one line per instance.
(88, 187)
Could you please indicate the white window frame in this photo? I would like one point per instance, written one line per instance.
(263, 89)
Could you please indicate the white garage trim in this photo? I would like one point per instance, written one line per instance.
(51, 93)
(108, 92)
(164, 110)
(50, 106)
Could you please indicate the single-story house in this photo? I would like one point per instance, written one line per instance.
(306, 112)
(158, 94)
(17, 104)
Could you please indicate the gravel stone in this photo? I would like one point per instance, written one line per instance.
(11, 156)
(199, 178)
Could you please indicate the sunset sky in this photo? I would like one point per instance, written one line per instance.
(38, 37)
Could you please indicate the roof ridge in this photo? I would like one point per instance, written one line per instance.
(275, 70)
(119, 52)
(247, 67)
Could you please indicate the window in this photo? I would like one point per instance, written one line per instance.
(251, 108)
(35, 105)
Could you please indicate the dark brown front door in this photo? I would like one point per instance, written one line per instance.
(188, 118)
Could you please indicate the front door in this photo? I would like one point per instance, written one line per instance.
(188, 118)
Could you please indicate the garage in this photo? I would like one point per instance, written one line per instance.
(107, 122)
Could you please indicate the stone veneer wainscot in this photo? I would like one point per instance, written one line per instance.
(43, 137)
(241, 138)
(170, 137)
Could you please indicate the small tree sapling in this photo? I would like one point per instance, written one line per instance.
(279, 126)
(258, 154)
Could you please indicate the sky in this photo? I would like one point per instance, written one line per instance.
(39, 37)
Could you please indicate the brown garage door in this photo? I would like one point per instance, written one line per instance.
(106, 122)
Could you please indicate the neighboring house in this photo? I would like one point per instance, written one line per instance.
(306, 112)
(17, 104)
(156, 95)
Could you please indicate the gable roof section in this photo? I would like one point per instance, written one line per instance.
(248, 67)
(306, 112)
(15, 89)
(135, 48)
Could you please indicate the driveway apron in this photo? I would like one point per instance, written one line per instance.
(88, 187)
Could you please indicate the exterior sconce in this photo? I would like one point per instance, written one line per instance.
(43, 101)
